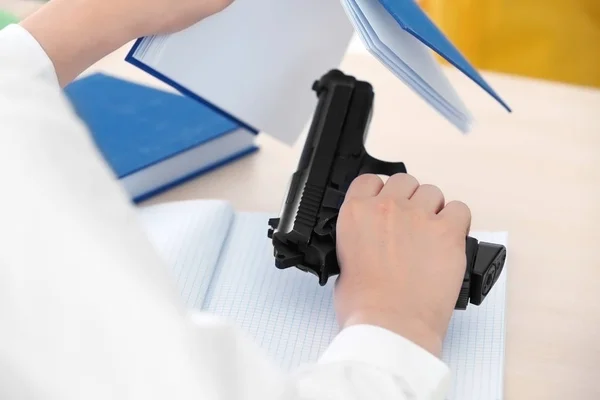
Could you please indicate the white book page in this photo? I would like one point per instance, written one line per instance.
(397, 66)
(257, 59)
(399, 50)
(292, 318)
(189, 237)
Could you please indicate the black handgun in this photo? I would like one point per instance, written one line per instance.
(333, 156)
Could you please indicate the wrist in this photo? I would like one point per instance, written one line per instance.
(75, 35)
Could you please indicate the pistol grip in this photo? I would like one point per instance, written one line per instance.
(485, 262)
(373, 165)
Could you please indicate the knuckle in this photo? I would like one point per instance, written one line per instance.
(405, 179)
(367, 179)
(431, 188)
(460, 207)
(432, 191)
(411, 179)
(458, 203)
(385, 206)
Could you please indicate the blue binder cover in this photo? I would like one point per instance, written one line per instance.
(135, 126)
(412, 19)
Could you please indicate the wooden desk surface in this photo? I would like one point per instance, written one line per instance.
(534, 173)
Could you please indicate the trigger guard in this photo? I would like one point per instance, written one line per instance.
(373, 165)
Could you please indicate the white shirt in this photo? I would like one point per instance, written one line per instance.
(87, 309)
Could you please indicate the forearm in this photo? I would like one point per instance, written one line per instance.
(75, 34)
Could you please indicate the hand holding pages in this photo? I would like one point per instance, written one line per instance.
(255, 60)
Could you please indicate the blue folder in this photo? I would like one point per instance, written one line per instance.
(412, 19)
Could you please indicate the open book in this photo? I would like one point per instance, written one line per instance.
(257, 60)
(222, 262)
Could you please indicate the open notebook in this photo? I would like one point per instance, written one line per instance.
(222, 262)
(256, 60)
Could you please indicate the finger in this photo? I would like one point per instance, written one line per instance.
(400, 186)
(458, 214)
(429, 198)
(367, 185)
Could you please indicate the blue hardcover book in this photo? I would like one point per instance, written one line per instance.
(257, 60)
(154, 139)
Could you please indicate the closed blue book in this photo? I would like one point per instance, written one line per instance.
(154, 139)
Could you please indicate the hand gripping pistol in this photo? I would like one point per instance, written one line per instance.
(333, 156)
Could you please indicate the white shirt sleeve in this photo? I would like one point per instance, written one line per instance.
(86, 305)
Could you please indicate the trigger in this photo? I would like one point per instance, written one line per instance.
(374, 166)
